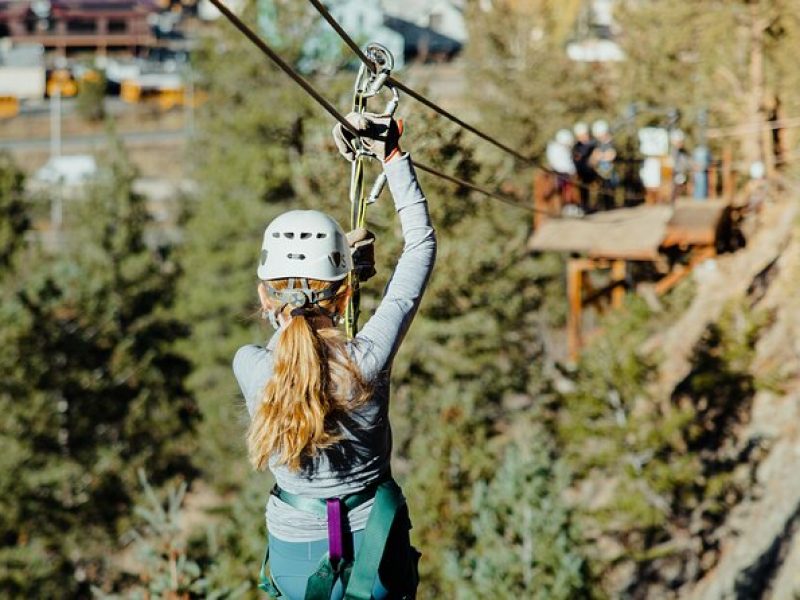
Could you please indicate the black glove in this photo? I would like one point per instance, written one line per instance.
(362, 248)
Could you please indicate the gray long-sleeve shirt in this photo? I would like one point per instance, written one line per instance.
(362, 457)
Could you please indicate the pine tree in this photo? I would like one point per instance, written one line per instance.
(160, 543)
(16, 219)
(525, 542)
(92, 390)
(525, 85)
(250, 131)
(475, 346)
(731, 59)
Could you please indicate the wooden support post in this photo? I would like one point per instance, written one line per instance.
(540, 190)
(728, 187)
(713, 181)
(769, 151)
(618, 272)
(680, 272)
(575, 269)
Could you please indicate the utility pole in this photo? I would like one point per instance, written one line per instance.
(702, 158)
(55, 123)
(57, 206)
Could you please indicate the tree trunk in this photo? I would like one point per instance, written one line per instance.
(752, 145)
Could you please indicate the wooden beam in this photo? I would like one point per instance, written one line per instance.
(595, 296)
(713, 174)
(679, 273)
(539, 203)
(575, 268)
(618, 271)
(728, 184)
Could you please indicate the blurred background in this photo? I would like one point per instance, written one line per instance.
(600, 395)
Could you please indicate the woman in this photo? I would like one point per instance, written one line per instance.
(319, 403)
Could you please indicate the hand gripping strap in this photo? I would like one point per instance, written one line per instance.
(388, 500)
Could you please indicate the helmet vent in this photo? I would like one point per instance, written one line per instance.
(296, 256)
(263, 257)
(305, 235)
(288, 234)
(276, 235)
(336, 258)
(321, 235)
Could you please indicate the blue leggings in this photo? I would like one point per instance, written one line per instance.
(292, 563)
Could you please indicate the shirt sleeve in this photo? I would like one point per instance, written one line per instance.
(252, 367)
(378, 341)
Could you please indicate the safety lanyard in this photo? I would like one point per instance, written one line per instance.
(368, 84)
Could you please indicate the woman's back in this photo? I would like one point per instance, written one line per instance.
(361, 456)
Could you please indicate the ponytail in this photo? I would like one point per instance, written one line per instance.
(313, 382)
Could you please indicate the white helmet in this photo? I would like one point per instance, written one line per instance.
(565, 137)
(580, 128)
(677, 136)
(304, 244)
(757, 170)
(599, 128)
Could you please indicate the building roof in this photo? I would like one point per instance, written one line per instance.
(22, 55)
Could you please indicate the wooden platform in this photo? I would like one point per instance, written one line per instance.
(639, 233)
(695, 223)
(609, 240)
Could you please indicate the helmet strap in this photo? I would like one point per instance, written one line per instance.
(304, 300)
(272, 315)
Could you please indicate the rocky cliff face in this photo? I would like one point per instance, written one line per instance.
(755, 548)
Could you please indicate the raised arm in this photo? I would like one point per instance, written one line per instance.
(378, 341)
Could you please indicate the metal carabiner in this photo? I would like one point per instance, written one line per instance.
(368, 84)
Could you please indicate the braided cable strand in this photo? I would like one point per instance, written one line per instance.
(323, 11)
(330, 109)
(284, 66)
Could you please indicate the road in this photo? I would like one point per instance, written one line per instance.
(89, 141)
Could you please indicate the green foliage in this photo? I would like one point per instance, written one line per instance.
(92, 95)
(523, 82)
(16, 219)
(475, 342)
(733, 59)
(92, 390)
(231, 548)
(165, 571)
(656, 467)
(525, 542)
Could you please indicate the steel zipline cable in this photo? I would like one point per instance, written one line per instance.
(323, 11)
(330, 109)
(483, 190)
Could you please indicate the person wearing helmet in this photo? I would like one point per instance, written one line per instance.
(559, 158)
(582, 151)
(602, 159)
(318, 402)
(681, 163)
(757, 189)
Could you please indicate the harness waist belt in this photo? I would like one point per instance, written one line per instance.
(319, 506)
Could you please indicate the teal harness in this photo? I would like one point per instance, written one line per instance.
(358, 576)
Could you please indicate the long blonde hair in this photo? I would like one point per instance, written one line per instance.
(313, 382)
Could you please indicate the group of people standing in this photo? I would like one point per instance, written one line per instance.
(586, 164)
(581, 158)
